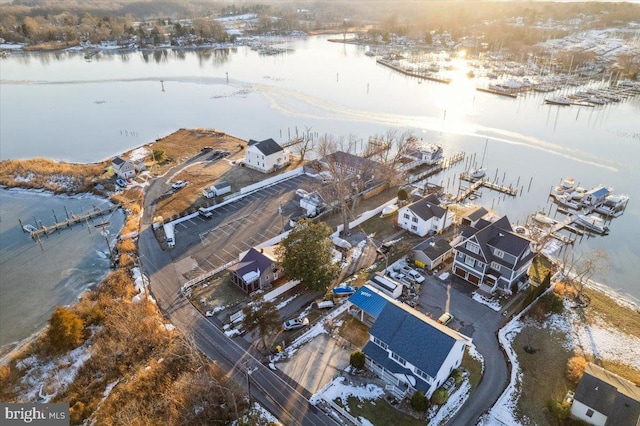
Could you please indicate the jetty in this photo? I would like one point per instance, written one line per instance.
(404, 71)
(36, 232)
(375, 147)
(497, 92)
(292, 142)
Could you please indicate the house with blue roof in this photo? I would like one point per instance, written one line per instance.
(406, 348)
(367, 303)
(596, 195)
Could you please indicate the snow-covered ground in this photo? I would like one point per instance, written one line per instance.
(493, 304)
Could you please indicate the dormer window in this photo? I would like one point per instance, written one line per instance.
(472, 247)
(499, 253)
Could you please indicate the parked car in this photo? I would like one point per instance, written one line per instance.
(301, 193)
(445, 318)
(384, 249)
(343, 290)
(416, 276)
(180, 184)
(121, 182)
(325, 304)
(296, 323)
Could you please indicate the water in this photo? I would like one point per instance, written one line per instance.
(34, 280)
(89, 111)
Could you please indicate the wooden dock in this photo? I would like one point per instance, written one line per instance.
(292, 142)
(412, 73)
(375, 147)
(71, 220)
(477, 183)
(440, 166)
(497, 92)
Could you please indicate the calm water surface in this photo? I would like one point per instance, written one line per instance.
(35, 280)
(62, 107)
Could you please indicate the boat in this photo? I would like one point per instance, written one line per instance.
(592, 223)
(566, 200)
(478, 173)
(343, 290)
(29, 228)
(578, 193)
(389, 210)
(543, 219)
(566, 185)
(558, 100)
(613, 205)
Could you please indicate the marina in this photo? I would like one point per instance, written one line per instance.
(36, 232)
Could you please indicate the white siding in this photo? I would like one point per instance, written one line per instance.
(579, 411)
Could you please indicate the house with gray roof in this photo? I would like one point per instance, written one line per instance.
(410, 351)
(472, 217)
(431, 253)
(265, 156)
(492, 256)
(256, 270)
(606, 399)
(425, 216)
(124, 169)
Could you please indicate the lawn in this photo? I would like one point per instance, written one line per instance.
(540, 267)
(354, 331)
(379, 412)
(474, 367)
(219, 292)
(543, 372)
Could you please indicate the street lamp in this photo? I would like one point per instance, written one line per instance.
(249, 371)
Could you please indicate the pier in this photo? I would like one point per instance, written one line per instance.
(440, 166)
(412, 73)
(292, 142)
(36, 232)
(477, 183)
(375, 147)
(497, 92)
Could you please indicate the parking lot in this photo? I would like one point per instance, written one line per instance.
(205, 244)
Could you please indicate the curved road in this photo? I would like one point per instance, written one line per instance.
(285, 400)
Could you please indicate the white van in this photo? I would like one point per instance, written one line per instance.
(205, 214)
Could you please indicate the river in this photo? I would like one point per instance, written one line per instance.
(60, 106)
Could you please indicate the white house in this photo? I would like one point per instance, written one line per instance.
(124, 169)
(492, 256)
(407, 349)
(425, 216)
(603, 398)
(265, 156)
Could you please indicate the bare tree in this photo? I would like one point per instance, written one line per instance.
(579, 270)
(307, 144)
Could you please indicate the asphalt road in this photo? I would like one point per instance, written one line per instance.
(481, 324)
(281, 397)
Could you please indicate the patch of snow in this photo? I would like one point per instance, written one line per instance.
(338, 389)
(364, 422)
(26, 178)
(473, 353)
(168, 327)
(493, 304)
(454, 403)
(107, 390)
(357, 252)
(286, 302)
(53, 376)
(138, 154)
(443, 276)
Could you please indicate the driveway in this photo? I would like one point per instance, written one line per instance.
(316, 363)
(481, 324)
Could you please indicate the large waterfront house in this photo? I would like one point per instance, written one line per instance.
(265, 156)
(257, 269)
(492, 256)
(407, 349)
(124, 169)
(425, 216)
(606, 399)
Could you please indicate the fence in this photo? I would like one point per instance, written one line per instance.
(275, 179)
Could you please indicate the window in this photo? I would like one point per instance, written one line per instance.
(472, 247)
(495, 265)
(380, 343)
(499, 253)
(414, 228)
(422, 374)
(406, 216)
(589, 412)
(415, 220)
(398, 358)
(469, 261)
